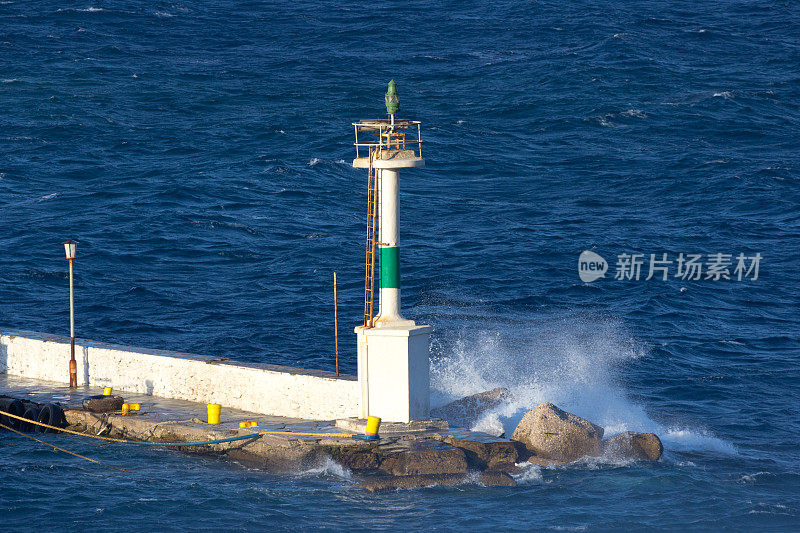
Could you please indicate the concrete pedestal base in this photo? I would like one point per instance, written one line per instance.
(393, 372)
(359, 426)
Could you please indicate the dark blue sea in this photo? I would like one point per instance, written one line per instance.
(200, 152)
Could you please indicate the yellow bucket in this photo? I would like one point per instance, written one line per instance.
(134, 406)
(213, 413)
(125, 408)
(373, 424)
(107, 391)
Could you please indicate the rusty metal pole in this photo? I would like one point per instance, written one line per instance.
(73, 365)
(336, 322)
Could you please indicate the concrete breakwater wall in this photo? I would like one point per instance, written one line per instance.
(266, 389)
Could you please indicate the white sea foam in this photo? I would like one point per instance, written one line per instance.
(313, 162)
(605, 120)
(724, 94)
(529, 474)
(328, 468)
(752, 478)
(81, 10)
(634, 113)
(682, 439)
(573, 365)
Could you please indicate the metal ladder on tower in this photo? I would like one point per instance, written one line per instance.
(372, 207)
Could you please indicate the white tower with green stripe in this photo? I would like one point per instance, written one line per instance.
(393, 367)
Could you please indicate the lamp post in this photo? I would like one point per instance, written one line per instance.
(70, 248)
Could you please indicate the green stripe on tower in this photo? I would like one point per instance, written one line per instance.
(390, 267)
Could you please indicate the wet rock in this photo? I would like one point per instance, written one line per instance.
(466, 411)
(415, 456)
(103, 404)
(543, 461)
(389, 483)
(356, 458)
(279, 460)
(424, 457)
(492, 478)
(637, 446)
(553, 434)
(492, 455)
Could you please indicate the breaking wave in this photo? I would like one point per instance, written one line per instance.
(571, 363)
(328, 468)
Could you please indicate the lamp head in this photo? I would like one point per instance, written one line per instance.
(392, 101)
(70, 248)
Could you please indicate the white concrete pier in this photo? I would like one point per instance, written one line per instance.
(258, 388)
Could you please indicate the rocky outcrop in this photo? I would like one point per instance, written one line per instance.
(466, 411)
(443, 459)
(555, 435)
(635, 446)
(389, 483)
(546, 435)
(489, 454)
(420, 456)
(493, 478)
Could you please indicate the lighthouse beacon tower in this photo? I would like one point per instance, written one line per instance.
(393, 367)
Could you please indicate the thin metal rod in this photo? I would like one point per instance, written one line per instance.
(336, 322)
(73, 365)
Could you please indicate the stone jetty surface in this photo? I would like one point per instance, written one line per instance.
(431, 454)
(422, 454)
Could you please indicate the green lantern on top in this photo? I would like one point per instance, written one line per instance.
(392, 101)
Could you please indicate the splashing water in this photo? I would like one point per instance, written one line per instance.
(571, 363)
(328, 468)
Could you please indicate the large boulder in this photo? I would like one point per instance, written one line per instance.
(636, 446)
(554, 434)
(466, 411)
